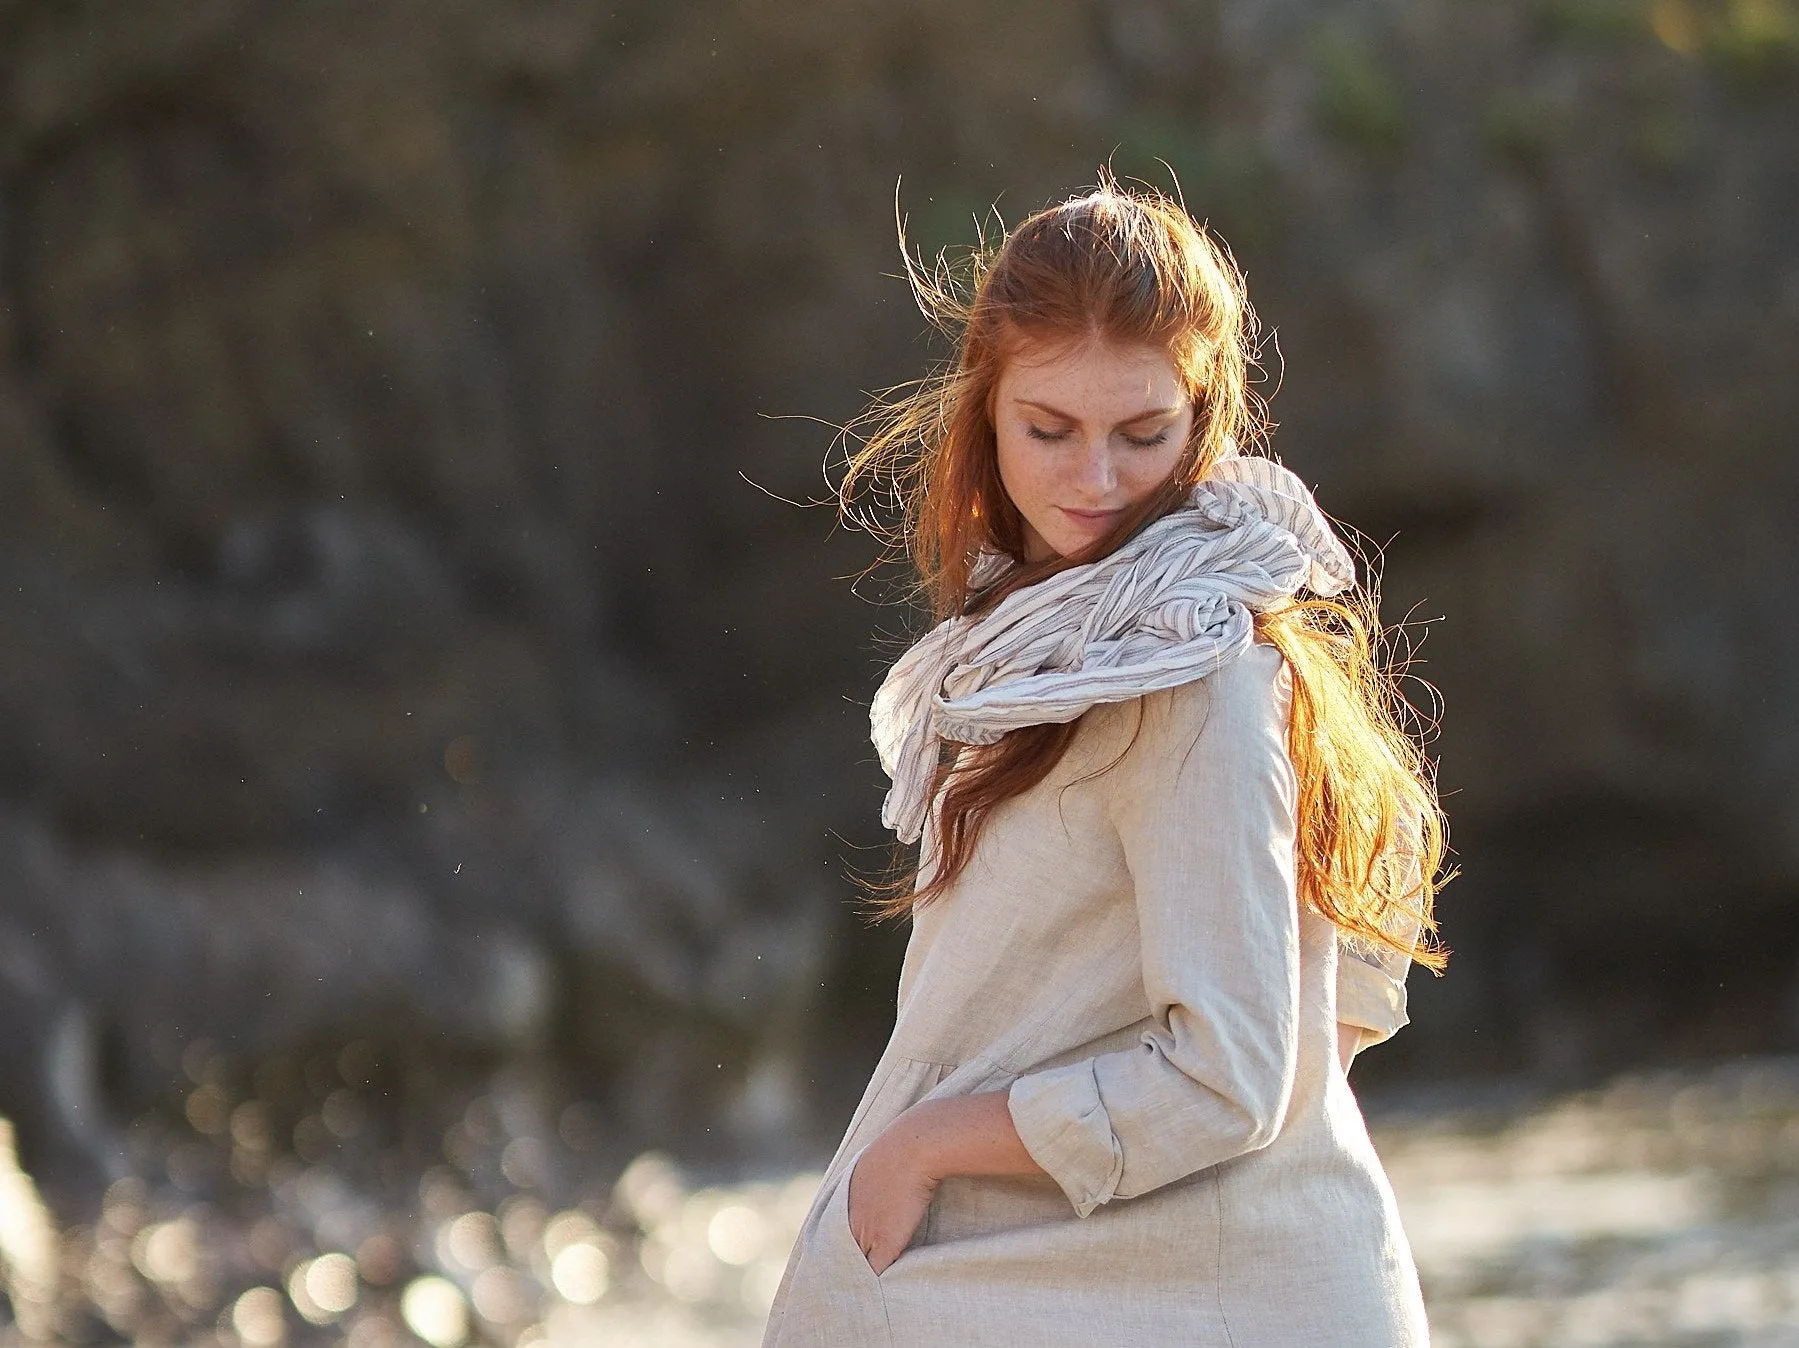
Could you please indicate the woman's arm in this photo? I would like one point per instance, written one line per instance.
(1204, 803)
(963, 1135)
(894, 1181)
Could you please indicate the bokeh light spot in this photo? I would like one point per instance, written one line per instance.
(331, 1282)
(208, 1110)
(250, 1126)
(736, 1234)
(500, 1297)
(524, 1162)
(433, 1309)
(165, 1252)
(378, 1259)
(651, 1188)
(342, 1113)
(569, 1228)
(258, 1319)
(522, 1226)
(581, 1273)
(470, 1242)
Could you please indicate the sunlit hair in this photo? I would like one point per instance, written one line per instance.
(1127, 265)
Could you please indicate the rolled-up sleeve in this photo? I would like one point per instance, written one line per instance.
(1371, 977)
(1204, 804)
(1371, 990)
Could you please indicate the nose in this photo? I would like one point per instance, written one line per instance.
(1096, 475)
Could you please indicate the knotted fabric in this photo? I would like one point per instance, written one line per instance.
(1170, 605)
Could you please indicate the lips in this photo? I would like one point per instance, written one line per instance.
(1091, 516)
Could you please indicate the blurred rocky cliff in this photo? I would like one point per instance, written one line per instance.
(400, 625)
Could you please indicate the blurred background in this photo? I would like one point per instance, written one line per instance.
(433, 756)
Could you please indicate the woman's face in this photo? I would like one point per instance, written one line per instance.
(1085, 430)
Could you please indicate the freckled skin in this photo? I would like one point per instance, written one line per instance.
(1084, 432)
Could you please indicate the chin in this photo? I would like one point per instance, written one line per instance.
(1068, 546)
(1063, 541)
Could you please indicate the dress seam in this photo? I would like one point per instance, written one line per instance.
(886, 1319)
(927, 1062)
(1224, 1319)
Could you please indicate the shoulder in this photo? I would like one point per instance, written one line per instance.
(1214, 748)
(1240, 709)
(1249, 693)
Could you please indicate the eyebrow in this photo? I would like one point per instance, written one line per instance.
(1060, 415)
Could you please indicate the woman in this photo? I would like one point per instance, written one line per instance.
(1177, 847)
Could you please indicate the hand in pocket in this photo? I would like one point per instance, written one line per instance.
(889, 1193)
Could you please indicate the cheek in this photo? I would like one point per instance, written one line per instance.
(1148, 471)
(1020, 471)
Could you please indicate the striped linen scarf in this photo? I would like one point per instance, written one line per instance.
(1168, 606)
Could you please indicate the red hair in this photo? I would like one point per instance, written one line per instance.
(1130, 266)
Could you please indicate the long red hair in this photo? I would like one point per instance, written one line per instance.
(1129, 266)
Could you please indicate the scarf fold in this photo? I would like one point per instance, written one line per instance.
(1168, 606)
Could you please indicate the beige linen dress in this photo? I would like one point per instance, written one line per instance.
(1125, 955)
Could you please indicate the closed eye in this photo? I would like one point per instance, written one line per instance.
(1141, 441)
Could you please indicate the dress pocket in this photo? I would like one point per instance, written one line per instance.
(836, 1221)
(833, 1297)
(835, 1234)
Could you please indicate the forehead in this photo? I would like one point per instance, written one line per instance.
(1090, 371)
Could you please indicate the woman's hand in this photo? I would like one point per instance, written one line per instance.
(897, 1174)
(889, 1192)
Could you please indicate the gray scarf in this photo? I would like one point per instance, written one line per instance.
(1168, 606)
